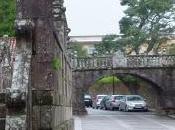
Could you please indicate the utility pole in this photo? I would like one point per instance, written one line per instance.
(113, 87)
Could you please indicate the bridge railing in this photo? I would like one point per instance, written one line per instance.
(136, 61)
(151, 61)
(92, 62)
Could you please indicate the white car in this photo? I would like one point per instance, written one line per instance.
(97, 100)
(133, 102)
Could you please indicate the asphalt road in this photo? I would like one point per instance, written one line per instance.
(115, 120)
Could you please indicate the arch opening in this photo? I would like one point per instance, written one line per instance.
(144, 87)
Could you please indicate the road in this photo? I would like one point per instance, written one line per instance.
(115, 120)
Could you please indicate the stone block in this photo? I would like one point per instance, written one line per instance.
(42, 97)
(2, 111)
(2, 97)
(2, 124)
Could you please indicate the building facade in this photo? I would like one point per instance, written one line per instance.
(88, 43)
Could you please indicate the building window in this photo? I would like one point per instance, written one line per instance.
(90, 50)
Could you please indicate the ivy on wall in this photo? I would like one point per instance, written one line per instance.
(56, 63)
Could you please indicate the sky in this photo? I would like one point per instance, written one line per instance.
(93, 17)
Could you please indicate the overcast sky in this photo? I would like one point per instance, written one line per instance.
(93, 17)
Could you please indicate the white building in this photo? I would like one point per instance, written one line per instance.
(87, 42)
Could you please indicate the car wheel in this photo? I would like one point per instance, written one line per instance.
(113, 108)
(105, 108)
(119, 108)
(146, 110)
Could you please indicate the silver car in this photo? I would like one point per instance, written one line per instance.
(133, 102)
(113, 102)
(97, 100)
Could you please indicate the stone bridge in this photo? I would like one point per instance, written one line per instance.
(158, 70)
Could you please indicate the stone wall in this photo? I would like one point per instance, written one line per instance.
(7, 45)
(51, 82)
(42, 29)
(51, 69)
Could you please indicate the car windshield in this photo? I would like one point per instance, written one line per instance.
(100, 97)
(16, 91)
(118, 97)
(87, 97)
(134, 98)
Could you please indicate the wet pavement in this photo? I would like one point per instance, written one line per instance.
(115, 120)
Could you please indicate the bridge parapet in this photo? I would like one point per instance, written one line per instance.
(134, 61)
(92, 62)
(151, 61)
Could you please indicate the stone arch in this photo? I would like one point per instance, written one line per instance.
(88, 78)
(84, 79)
(153, 88)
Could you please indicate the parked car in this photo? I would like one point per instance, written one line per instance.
(97, 100)
(133, 102)
(88, 100)
(103, 102)
(113, 102)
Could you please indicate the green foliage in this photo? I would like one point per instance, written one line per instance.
(7, 17)
(109, 45)
(130, 80)
(109, 80)
(56, 64)
(146, 21)
(79, 49)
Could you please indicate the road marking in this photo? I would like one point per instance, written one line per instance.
(77, 123)
(158, 123)
(121, 123)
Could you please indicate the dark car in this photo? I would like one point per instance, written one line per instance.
(88, 100)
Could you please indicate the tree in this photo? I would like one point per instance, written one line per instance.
(78, 49)
(131, 82)
(147, 21)
(108, 45)
(7, 17)
(109, 80)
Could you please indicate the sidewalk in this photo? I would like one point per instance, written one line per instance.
(77, 123)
